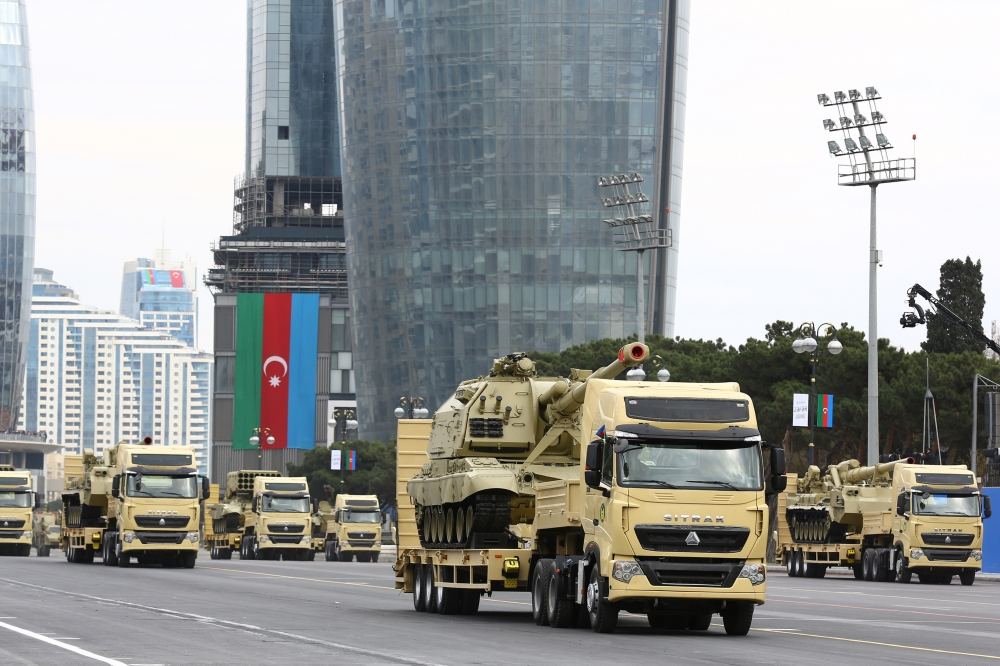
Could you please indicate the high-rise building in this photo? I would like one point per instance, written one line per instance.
(95, 378)
(160, 293)
(473, 135)
(288, 231)
(17, 203)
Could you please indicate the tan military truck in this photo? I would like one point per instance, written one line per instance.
(265, 516)
(885, 522)
(354, 529)
(45, 533)
(597, 495)
(137, 501)
(17, 499)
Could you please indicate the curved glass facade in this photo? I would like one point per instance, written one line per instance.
(473, 136)
(17, 204)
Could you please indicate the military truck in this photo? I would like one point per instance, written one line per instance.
(17, 499)
(353, 529)
(46, 533)
(264, 516)
(137, 500)
(885, 522)
(596, 495)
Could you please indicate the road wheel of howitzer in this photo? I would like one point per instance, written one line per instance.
(449, 527)
(603, 615)
(881, 563)
(419, 598)
(699, 621)
(430, 589)
(461, 537)
(540, 591)
(470, 602)
(967, 576)
(469, 523)
(902, 568)
(868, 563)
(557, 606)
(187, 559)
(737, 617)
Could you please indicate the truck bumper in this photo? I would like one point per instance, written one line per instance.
(639, 588)
(926, 562)
(158, 542)
(348, 548)
(264, 542)
(15, 537)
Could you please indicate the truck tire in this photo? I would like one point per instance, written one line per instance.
(814, 570)
(430, 589)
(858, 569)
(540, 592)
(902, 568)
(603, 615)
(419, 600)
(310, 555)
(699, 621)
(881, 563)
(328, 551)
(737, 617)
(88, 555)
(470, 601)
(449, 600)
(374, 558)
(121, 558)
(187, 559)
(967, 576)
(226, 554)
(789, 557)
(558, 608)
(868, 565)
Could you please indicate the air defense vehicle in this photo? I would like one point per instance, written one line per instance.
(46, 533)
(353, 529)
(598, 496)
(264, 516)
(886, 522)
(137, 500)
(17, 499)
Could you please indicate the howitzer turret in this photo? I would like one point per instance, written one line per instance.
(491, 439)
(872, 473)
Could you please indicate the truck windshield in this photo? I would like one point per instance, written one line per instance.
(161, 485)
(21, 500)
(686, 464)
(286, 504)
(940, 504)
(361, 516)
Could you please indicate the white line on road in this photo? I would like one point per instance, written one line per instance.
(65, 646)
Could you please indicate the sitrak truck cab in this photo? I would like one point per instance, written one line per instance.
(139, 501)
(354, 529)
(265, 516)
(17, 499)
(600, 496)
(886, 522)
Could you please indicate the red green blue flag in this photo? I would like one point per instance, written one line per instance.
(824, 410)
(275, 374)
(352, 461)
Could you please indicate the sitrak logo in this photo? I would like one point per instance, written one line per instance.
(692, 539)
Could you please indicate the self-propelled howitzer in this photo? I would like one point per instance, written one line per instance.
(491, 439)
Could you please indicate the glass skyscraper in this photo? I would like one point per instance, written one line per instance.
(17, 204)
(473, 135)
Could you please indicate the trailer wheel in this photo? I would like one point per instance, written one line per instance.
(967, 576)
(449, 600)
(558, 608)
(540, 592)
(430, 589)
(788, 556)
(737, 617)
(419, 600)
(470, 602)
(867, 562)
(902, 568)
(603, 615)
(880, 561)
(800, 564)
(858, 569)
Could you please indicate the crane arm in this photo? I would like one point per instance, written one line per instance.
(912, 319)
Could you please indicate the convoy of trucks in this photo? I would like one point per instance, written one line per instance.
(886, 522)
(17, 499)
(140, 501)
(596, 495)
(351, 528)
(263, 516)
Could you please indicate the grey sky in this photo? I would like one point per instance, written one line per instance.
(140, 115)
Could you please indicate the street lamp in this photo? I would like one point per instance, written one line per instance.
(258, 433)
(807, 344)
(861, 169)
(344, 419)
(411, 408)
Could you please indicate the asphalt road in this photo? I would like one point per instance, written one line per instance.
(233, 612)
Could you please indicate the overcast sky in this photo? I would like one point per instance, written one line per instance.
(139, 108)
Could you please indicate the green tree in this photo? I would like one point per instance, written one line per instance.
(961, 290)
(375, 473)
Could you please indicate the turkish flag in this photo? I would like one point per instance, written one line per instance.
(176, 279)
(274, 369)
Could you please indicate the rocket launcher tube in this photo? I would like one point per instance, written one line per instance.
(629, 356)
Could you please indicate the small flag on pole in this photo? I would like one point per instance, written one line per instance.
(352, 461)
(824, 410)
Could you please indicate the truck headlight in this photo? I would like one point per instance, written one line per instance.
(916, 553)
(754, 573)
(263, 538)
(977, 555)
(623, 570)
(128, 537)
(192, 537)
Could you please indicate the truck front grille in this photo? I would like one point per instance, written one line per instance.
(360, 543)
(937, 539)
(281, 538)
(940, 554)
(11, 522)
(11, 534)
(690, 572)
(360, 535)
(284, 528)
(160, 537)
(172, 522)
(706, 539)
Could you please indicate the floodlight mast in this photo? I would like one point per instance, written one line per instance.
(636, 232)
(870, 173)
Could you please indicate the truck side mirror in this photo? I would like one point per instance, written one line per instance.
(987, 509)
(592, 473)
(38, 501)
(116, 485)
(902, 504)
(206, 489)
(778, 481)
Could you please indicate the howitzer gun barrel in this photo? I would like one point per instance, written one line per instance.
(859, 474)
(629, 356)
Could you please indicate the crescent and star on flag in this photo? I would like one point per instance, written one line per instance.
(275, 380)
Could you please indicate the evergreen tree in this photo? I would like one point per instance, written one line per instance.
(962, 291)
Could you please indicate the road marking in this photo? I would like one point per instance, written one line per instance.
(205, 619)
(792, 632)
(65, 646)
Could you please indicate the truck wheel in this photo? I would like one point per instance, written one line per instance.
(470, 602)
(310, 555)
(226, 554)
(800, 564)
(430, 589)
(789, 557)
(373, 557)
(187, 559)
(558, 608)
(881, 563)
(121, 558)
(967, 576)
(699, 621)
(540, 592)
(737, 617)
(328, 551)
(858, 569)
(419, 598)
(903, 573)
(449, 600)
(603, 615)
(868, 565)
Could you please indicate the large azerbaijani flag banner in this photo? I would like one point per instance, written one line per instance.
(275, 376)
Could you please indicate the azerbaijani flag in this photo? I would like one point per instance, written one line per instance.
(275, 375)
(352, 461)
(824, 410)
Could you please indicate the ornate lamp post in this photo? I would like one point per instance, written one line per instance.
(807, 344)
(411, 408)
(344, 418)
(260, 433)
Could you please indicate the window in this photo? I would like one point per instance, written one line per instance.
(283, 132)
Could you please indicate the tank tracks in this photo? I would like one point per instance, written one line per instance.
(813, 526)
(480, 521)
